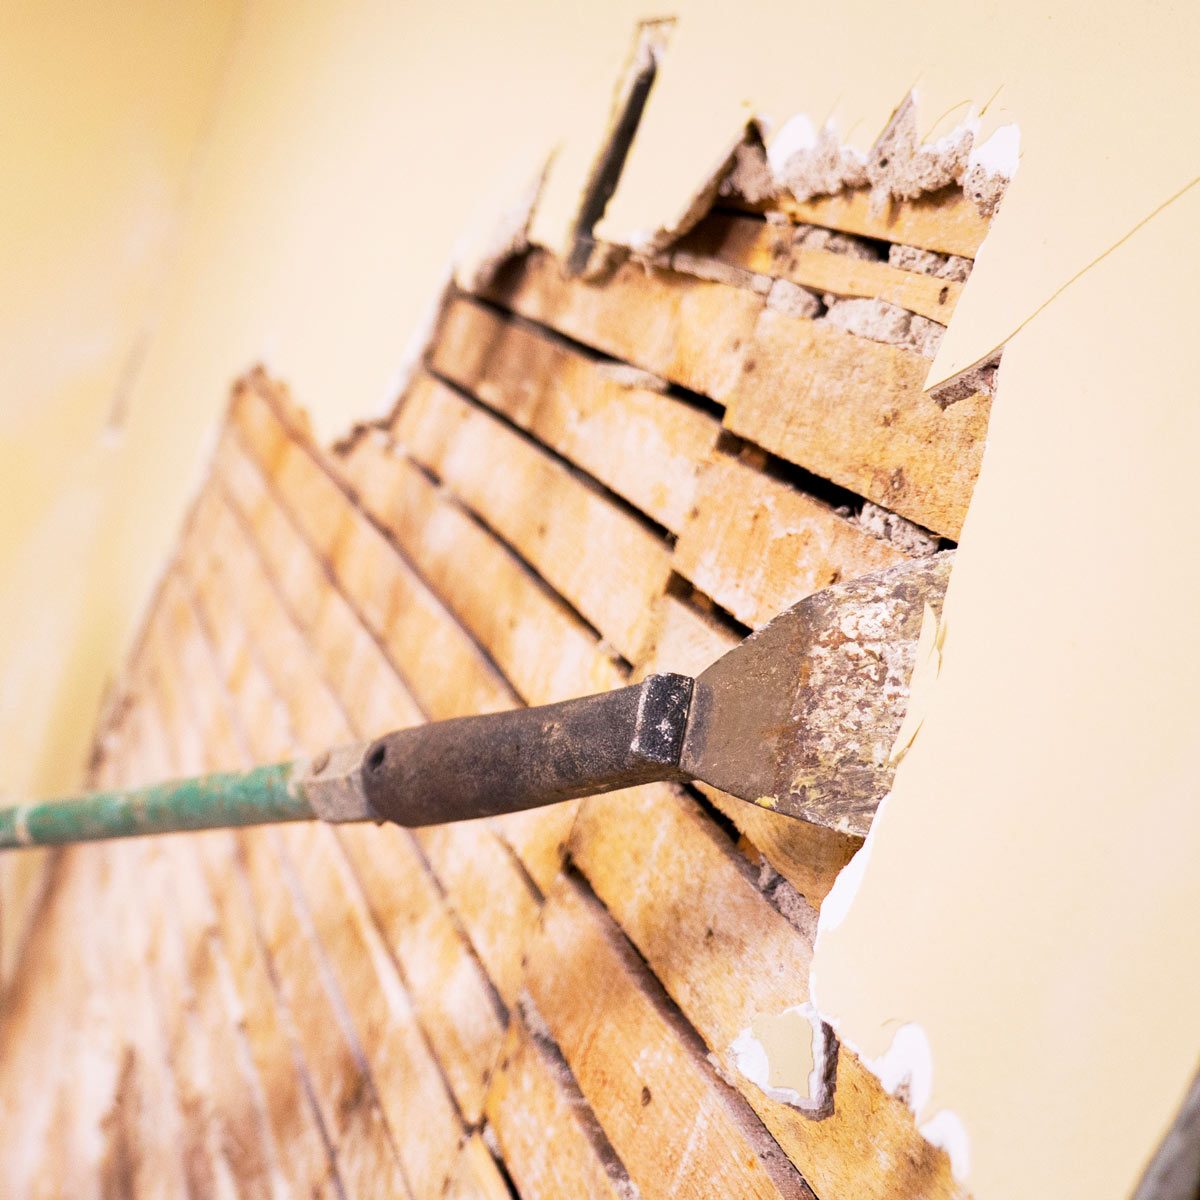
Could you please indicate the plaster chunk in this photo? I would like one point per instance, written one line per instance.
(788, 1056)
(929, 262)
(790, 298)
(810, 164)
(899, 167)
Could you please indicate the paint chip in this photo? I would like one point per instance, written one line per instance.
(788, 1056)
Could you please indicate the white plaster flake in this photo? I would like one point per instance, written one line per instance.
(795, 136)
(1000, 154)
(946, 1131)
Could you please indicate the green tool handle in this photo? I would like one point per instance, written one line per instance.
(447, 771)
(262, 795)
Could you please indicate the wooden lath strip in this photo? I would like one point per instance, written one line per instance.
(947, 221)
(311, 970)
(408, 1079)
(315, 1014)
(533, 1092)
(305, 1158)
(757, 546)
(328, 622)
(475, 1175)
(766, 248)
(213, 1053)
(687, 330)
(562, 527)
(854, 412)
(621, 428)
(446, 670)
(678, 1128)
(453, 997)
(439, 678)
(537, 641)
(847, 409)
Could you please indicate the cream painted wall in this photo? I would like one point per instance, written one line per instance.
(101, 110)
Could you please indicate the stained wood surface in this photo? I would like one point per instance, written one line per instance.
(768, 248)
(946, 221)
(583, 483)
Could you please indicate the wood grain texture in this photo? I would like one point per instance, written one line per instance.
(546, 651)
(854, 412)
(630, 1054)
(533, 1092)
(766, 248)
(559, 524)
(945, 221)
(542, 1003)
(498, 931)
(449, 993)
(687, 330)
(449, 674)
(321, 1024)
(757, 546)
(623, 430)
(475, 1175)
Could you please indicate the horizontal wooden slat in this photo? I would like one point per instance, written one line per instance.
(490, 896)
(533, 1093)
(539, 838)
(945, 221)
(770, 249)
(340, 1027)
(853, 411)
(424, 1123)
(498, 929)
(449, 989)
(445, 669)
(602, 560)
(679, 1130)
(335, 1067)
(543, 648)
(237, 1121)
(303, 1156)
(643, 444)
(757, 546)
(726, 956)
(350, 656)
(687, 330)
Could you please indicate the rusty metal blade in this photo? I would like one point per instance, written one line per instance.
(802, 716)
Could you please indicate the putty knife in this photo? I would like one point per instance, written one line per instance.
(800, 718)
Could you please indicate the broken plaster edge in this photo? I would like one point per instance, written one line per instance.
(905, 1070)
(752, 1060)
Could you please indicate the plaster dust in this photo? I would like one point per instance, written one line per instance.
(1047, 804)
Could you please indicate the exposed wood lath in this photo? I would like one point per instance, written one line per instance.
(586, 481)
